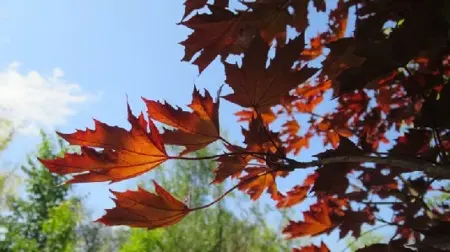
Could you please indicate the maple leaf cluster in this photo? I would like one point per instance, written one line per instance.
(391, 87)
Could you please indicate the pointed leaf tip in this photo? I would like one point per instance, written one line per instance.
(144, 209)
(193, 130)
(125, 154)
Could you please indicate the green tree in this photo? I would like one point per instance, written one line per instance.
(46, 219)
(6, 134)
(213, 229)
(95, 237)
(9, 181)
(366, 239)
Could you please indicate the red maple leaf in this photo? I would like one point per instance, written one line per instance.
(316, 221)
(259, 179)
(218, 33)
(298, 193)
(230, 165)
(256, 86)
(193, 130)
(144, 209)
(125, 154)
(312, 248)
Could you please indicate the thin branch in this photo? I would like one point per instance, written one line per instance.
(240, 153)
(231, 189)
(438, 141)
(378, 202)
(408, 185)
(415, 194)
(410, 163)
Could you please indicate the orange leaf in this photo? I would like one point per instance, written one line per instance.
(316, 221)
(338, 20)
(257, 180)
(259, 138)
(309, 91)
(194, 130)
(344, 132)
(312, 248)
(125, 154)
(291, 127)
(333, 138)
(298, 193)
(315, 50)
(247, 115)
(230, 166)
(304, 107)
(324, 125)
(296, 143)
(144, 209)
(294, 196)
(255, 86)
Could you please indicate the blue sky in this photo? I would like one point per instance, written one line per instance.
(110, 50)
(79, 59)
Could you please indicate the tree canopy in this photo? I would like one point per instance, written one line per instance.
(46, 219)
(386, 131)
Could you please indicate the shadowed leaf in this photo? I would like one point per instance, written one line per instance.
(255, 86)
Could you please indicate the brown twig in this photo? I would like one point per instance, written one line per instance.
(410, 163)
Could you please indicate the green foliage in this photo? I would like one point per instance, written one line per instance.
(95, 237)
(46, 219)
(59, 228)
(6, 134)
(8, 179)
(364, 240)
(212, 229)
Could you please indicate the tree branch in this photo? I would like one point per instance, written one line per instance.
(409, 163)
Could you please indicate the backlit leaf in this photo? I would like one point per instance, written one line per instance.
(316, 221)
(259, 179)
(312, 248)
(125, 154)
(193, 130)
(297, 194)
(144, 209)
(229, 166)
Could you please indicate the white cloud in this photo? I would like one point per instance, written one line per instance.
(31, 101)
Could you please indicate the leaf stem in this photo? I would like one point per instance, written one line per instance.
(231, 189)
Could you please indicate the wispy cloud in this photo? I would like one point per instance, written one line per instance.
(31, 101)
